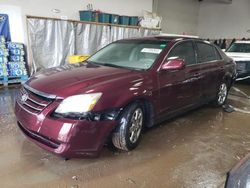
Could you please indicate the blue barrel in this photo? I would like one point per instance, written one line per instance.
(88, 16)
(123, 20)
(3, 70)
(17, 72)
(4, 52)
(16, 58)
(133, 20)
(18, 52)
(3, 59)
(103, 17)
(16, 65)
(114, 19)
(14, 45)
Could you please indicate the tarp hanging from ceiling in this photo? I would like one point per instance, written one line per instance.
(51, 41)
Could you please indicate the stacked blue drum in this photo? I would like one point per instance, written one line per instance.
(16, 64)
(4, 53)
(12, 62)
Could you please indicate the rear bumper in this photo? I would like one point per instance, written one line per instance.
(64, 137)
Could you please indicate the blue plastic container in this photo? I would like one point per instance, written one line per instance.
(133, 21)
(103, 17)
(16, 58)
(88, 16)
(14, 45)
(3, 59)
(1, 73)
(18, 52)
(17, 72)
(3, 70)
(16, 65)
(4, 52)
(123, 20)
(114, 19)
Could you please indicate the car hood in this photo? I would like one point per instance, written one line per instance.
(239, 56)
(69, 80)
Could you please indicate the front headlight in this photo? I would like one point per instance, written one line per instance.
(78, 104)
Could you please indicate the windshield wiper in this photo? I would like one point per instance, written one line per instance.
(111, 65)
(122, 67)
(90, 62)
(105, 64)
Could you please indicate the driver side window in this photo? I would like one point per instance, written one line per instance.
(185, 51)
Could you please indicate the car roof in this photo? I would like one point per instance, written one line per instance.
(243, 42)
(177, 36)
(165, 37)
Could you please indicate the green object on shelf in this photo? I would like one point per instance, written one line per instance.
(162, 46)
(123, 20)
(103, 17)
(87, 15)
(133, 20)
(114, 19)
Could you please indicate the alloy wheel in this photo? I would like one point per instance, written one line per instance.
(136, 125)
(222, 95)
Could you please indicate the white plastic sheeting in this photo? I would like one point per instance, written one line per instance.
(51, 41)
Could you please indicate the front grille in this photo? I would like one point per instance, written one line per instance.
(42, 139)
(243, 65)
(33, 103)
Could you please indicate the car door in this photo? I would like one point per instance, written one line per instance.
(210, 62)
(180, 88)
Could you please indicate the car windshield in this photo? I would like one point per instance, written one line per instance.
(132, 54)
(240, 47)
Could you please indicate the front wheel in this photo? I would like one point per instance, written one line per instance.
(127, 134)
(221, 96)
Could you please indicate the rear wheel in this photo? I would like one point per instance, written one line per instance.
(127, 134)
(221, 95)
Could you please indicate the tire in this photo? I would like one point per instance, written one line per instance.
(221, 95)
(128, 133)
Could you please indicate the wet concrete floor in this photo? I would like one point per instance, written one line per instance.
(194, 150)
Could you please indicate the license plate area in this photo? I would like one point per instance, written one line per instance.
(241, 66)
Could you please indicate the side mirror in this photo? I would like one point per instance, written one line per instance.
(173, 64)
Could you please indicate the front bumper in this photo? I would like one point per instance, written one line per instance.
(243, 74)
(243, 68)
(65, 137)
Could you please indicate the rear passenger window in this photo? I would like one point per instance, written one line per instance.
(207, 53)
(184, 51)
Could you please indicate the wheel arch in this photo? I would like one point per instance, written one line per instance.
(228, 79)
(148, 109)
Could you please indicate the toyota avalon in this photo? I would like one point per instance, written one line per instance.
(129, 85)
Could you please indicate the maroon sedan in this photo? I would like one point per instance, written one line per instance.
(129, 85)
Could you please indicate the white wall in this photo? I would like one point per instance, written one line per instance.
(221, 20)
(179, 16)
(70, 8)
(19, 8)
(208, 19)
